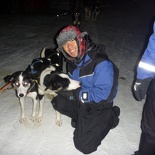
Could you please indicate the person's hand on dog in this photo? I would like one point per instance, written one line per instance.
(71, 94)
(140, 88)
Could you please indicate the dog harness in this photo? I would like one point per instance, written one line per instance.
(32, 65)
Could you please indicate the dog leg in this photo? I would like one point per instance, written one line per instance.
(86, 14)
(58, 120)
(34, 109)
(41, 107)
(22, 118)
(90, 14)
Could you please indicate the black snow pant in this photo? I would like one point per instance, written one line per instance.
(93, 121)
(147, 141)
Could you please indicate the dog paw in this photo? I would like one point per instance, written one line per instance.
(58, 122)
(33, 119)
(22, 120)
(38, 119)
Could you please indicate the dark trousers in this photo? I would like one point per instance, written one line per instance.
(93, 121)
(147, 141)
(145, 147)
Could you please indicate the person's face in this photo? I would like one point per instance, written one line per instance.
(71, 48)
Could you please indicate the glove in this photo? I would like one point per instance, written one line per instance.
(140, 88)
(71, 94)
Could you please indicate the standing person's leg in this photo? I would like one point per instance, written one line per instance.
(145, 148)
(147, 142)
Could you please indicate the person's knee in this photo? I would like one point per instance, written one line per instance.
(86, 150)
(85, 147)
(56, 103)
(59, 103)
(114, 119)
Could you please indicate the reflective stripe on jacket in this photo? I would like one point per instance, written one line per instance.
(146, 66)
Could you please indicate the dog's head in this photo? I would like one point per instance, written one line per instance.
(56, 81)
(21, 81)
(77, 15)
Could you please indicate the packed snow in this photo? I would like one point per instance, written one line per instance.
(124, 30)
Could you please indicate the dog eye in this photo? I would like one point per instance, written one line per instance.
(25, 84)
(17, 84)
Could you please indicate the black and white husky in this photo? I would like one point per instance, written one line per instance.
(50, 82)
(24, 86)
(41, 77)
(51, 79)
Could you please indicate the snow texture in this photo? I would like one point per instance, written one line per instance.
(123, 29)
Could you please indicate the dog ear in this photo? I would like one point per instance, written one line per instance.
(51, 81)
(10, 78)
(59, 82)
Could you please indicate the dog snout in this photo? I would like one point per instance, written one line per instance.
(21, 95)
(77, 84)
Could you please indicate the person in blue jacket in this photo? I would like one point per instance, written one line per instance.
(145, 85)
(91, 106)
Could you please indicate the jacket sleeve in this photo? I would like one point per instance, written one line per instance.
(146, 66)
(103, 82)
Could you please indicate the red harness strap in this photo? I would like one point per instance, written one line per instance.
(5, 87)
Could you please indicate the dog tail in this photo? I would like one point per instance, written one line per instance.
(42, 53)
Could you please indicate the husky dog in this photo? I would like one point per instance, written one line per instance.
(92, 9)
(43, 76)
(76, 21)
(25, 87)
(50, 82)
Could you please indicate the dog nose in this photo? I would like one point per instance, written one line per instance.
(21, 95)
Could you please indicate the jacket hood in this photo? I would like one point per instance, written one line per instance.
(89, 48)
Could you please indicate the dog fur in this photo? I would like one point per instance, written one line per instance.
(25, 87)
(92, 9)
(95, 13)
(43, 76)
(49, 58)
(51, 82)
(76, 20)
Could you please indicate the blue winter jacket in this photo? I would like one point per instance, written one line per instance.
(97, 74)
(146, 66)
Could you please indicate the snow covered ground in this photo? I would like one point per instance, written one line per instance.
(124, 30)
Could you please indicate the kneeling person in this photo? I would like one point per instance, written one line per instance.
(91, 106)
